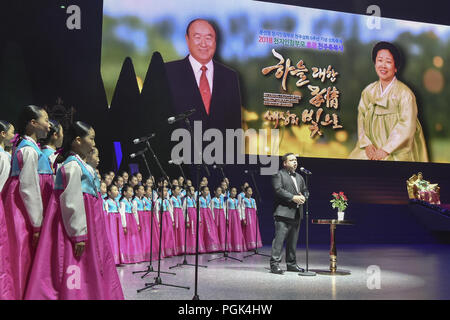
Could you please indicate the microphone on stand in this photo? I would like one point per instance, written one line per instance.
(305, 171)
(136, 154)
(180, 116)
(143, 139)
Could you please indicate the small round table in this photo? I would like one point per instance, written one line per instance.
(333, 253)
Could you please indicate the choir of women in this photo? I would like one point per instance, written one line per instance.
(226, 222)
(64, 227)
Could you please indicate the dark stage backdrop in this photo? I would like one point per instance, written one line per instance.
(41, 61)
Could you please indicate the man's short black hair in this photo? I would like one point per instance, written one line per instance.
(200, 19)
(285, 157)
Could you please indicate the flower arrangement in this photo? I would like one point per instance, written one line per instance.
(339, 201)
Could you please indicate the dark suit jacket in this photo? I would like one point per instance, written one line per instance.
(225, 106)
(284, 189)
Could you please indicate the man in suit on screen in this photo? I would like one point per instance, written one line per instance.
(199, 82)
(290, 190)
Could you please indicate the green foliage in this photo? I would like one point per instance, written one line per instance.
(339, 201)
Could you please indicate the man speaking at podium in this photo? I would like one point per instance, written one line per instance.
(289, 188)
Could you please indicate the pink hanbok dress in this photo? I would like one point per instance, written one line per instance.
(25, 197)
(74, 215)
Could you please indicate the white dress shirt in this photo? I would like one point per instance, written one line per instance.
(196, 66)
(295, 183)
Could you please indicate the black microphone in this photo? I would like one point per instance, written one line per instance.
(143, 139)
(134, 155)
(181, 116)
(305, 171)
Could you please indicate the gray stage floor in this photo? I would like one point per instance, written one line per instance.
(405, 272)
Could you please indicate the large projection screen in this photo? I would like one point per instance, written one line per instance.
(307, 72)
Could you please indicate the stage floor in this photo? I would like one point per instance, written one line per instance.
(405, 272)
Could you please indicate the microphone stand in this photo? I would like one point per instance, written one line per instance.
(225, 253)
(146, 164)
(185, 263)
(258, 196)
(158, 280)
(182, 172)
(307, 272)
(150, 266)
(158, 163)
(198, 166)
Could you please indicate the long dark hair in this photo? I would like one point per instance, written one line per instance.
(77, 129)
(54, 128)
(27, 114)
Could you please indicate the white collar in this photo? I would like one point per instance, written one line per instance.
(30, 139)
(84, 163)
(48, 147)
(388, 87)
(196, 66)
